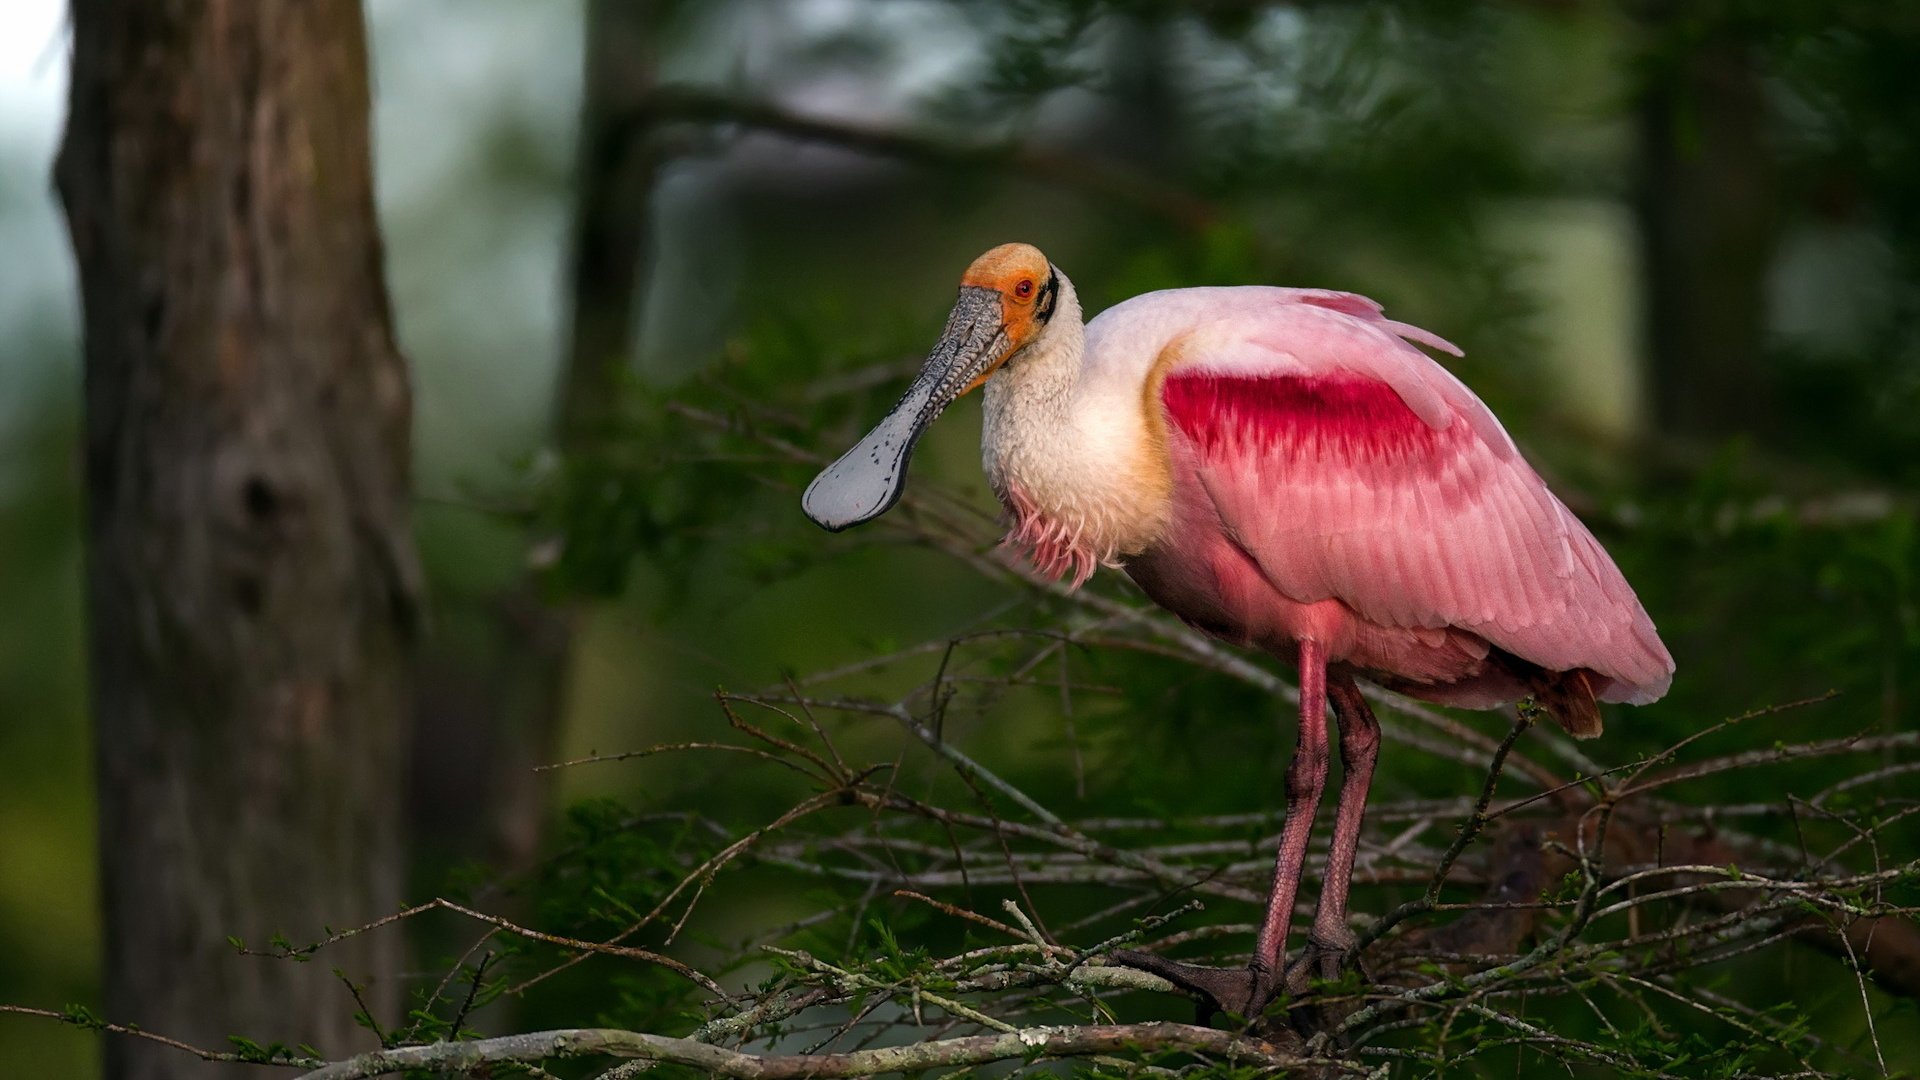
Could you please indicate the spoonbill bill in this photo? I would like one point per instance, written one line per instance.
(1285, 470)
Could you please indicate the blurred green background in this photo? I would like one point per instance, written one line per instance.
(1680, 245)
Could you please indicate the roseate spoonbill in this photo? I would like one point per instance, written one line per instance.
(1283, 469)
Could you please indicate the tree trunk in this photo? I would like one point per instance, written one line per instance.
(513, 722)
(615, 175)
(1705, 203)
(250, 569)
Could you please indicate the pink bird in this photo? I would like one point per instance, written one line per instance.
(1282, 469)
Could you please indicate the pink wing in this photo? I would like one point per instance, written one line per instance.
(1351, 466)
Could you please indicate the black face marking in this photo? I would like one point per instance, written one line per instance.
(1049, 293)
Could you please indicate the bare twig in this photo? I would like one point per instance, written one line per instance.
(90, 1023)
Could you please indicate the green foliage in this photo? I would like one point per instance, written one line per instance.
(1370, 146)
(273, 1053)
(1768, 594)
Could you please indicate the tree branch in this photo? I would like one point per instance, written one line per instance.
(1025, 1044)
(1105, 179)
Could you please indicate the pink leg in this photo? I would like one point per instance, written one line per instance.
(1330, 937)
(1249, 991)
(1306, 779)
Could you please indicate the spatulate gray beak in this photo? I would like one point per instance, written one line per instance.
(868, 479)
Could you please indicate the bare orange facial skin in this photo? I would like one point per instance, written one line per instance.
(1017, 272)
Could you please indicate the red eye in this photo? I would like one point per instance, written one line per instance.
(1024, 289)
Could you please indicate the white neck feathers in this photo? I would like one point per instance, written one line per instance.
(1076, 462)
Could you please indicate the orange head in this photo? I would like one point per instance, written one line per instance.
(1025, 283)
(1025, 287)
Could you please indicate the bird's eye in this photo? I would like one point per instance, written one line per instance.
(1024, 289)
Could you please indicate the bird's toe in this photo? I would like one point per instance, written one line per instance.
(1325, 959)
(1243, 992)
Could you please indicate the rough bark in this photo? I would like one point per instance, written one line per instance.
(250, 570)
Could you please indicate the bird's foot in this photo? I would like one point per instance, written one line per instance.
(1244, 992)
(1324, 959)
(1312, 975)
(1247, 992)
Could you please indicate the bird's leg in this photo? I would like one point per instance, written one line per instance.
(1306, 779)
(1330, 939)
(1248, 992)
